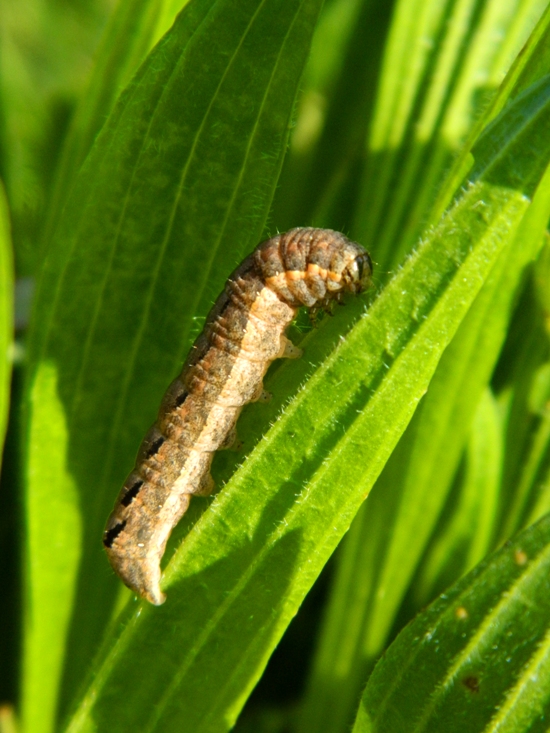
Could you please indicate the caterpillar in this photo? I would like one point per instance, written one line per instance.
(244, 332)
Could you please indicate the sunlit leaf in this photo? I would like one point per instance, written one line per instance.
(176, 189)
(477, 659)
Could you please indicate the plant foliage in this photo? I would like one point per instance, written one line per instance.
(418, 418)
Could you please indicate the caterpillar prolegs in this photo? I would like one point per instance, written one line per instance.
(243, 334)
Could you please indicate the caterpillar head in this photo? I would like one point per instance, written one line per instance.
(356, 276)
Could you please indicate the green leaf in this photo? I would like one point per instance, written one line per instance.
(542, 279)
(534, 479)
(6, 313)
(46, 51)
(443, 64)
(322, 171)
(525, 351)
(176, 188)
(8, 499)
(468, 535)
(477, 659)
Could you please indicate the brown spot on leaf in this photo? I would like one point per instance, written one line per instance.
(520, 557)
(471, 683)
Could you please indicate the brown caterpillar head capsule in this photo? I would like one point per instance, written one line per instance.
(356, 276)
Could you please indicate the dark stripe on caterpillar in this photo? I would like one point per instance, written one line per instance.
(243, 334)
(110, 535)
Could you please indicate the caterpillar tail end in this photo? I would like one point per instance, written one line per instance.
(150, 591)
(138, 568)
(153, 595)
(142, 578)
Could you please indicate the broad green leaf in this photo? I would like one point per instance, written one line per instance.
(244, 568)
(175, 190)
(477, 659)
(54, 535)
(97, 389)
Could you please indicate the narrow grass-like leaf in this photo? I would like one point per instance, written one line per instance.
(478, 659)
(411, 492)
(8, 531)
(468, 534)
(176, 188)
(322, 171)
(542, 506)
(534, 480)
(430, 91)
(525, 351)
(6, 312)
(531, 227)
(542, 280)
(437, 440)
(536, 458)
(530, 65)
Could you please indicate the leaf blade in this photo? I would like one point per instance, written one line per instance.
(500, 647)
(111, 314)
